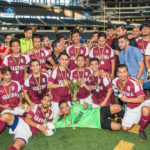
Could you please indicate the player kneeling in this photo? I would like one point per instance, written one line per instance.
(84, 116)
(38, 118)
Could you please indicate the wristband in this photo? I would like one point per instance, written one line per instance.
(37, 126)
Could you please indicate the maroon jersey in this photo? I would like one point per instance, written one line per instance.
(61, 93)
(142, 44)
(103, 86)
(83, 92)
(44, 54)
(16, 67)
(105, 61)
(39, 117)
(2, 50)
(130, 90)
(74, 52)
(7, 98)
(31, 85)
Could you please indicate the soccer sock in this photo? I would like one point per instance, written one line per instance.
(2, 125)
(12, 148)
(143, 123)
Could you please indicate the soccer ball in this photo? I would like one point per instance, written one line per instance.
(50, 129)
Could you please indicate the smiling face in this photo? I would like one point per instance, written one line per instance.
(35, 67)
(63, 61)
(76, 38)
(145, 31)
(94, 65)
(46, 102)
(80, 62)
(15, 47)
(101, 41)
(64, 108)
(122, 73)
(7, 76)
(36, 43)
(120, 31)
(28, 34)
(123, 43)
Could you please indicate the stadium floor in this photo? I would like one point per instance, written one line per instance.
(79, 139)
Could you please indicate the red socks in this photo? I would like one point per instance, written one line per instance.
(2, 125)
(144, 121)
(12, 148)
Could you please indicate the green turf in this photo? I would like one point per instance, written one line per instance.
(79, 139)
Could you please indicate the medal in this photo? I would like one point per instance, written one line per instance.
(7, 91)
(38, 84)
(97, 89)
(46, 118)
(102, 62)
(97, 83)
(122, 87)
(76, 54)
(80, 79)
(120, 95)
(39, 92)
(37, 56)
(62, 75)
(17, 64)
(75, 62)
(17, 72)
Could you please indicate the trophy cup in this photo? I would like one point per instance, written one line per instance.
(74, 88)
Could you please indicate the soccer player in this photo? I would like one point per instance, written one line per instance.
(24, 128)
(93, 41)
(5, 48)
(110, 35)
(17, 62)
(82, 74)
(45, 43)
(76, 49)
(11, 99)
(132, 94)
(59, 82)
(100, 87)
(26, 43)
(40, 54)
(143, 42)
(105, 55)
(84, 116)
(36, 84)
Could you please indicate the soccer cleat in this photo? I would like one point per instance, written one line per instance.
(142, 135)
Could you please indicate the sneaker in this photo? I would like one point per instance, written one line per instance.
(142, 135)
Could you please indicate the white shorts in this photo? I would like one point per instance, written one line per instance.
(133, 116)
(55, 108)
(22, 131)
(87, 100)
(16, 111)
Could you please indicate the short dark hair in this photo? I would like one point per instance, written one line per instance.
(110, 27)
(14, 40)
(94, 59)
(43, 37)
(75, 31)
(36, 36)
(96, 32)
(61, 102)
(123, 36)
(7, 35)
(144, 25)
(123, 26)
(27, 29)
(122, 66)
(5, 69)
(81, 56)
(59, 36)
(63, 53)
(54, 44)
(34, 60)
(102, 34)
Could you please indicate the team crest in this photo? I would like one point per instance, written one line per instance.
(43, 79)
(107, 51)
(42, 54)
(67, 75)
(128, 88)
(86, 73)
(21, 60)
(81, 52)
(12, 88)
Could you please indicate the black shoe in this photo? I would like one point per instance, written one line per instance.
(142, 135)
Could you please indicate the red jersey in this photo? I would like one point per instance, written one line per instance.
(16, 67)
(142, 44)
(61, 93)
(32, 85)
(103, 86)
(37, 116)
(74, 52)
(105, 57)
(130, 90)
(7, 98)
(83, 92)
(2, 50)
(44, 54)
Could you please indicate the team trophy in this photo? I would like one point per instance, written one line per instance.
(74, 88)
